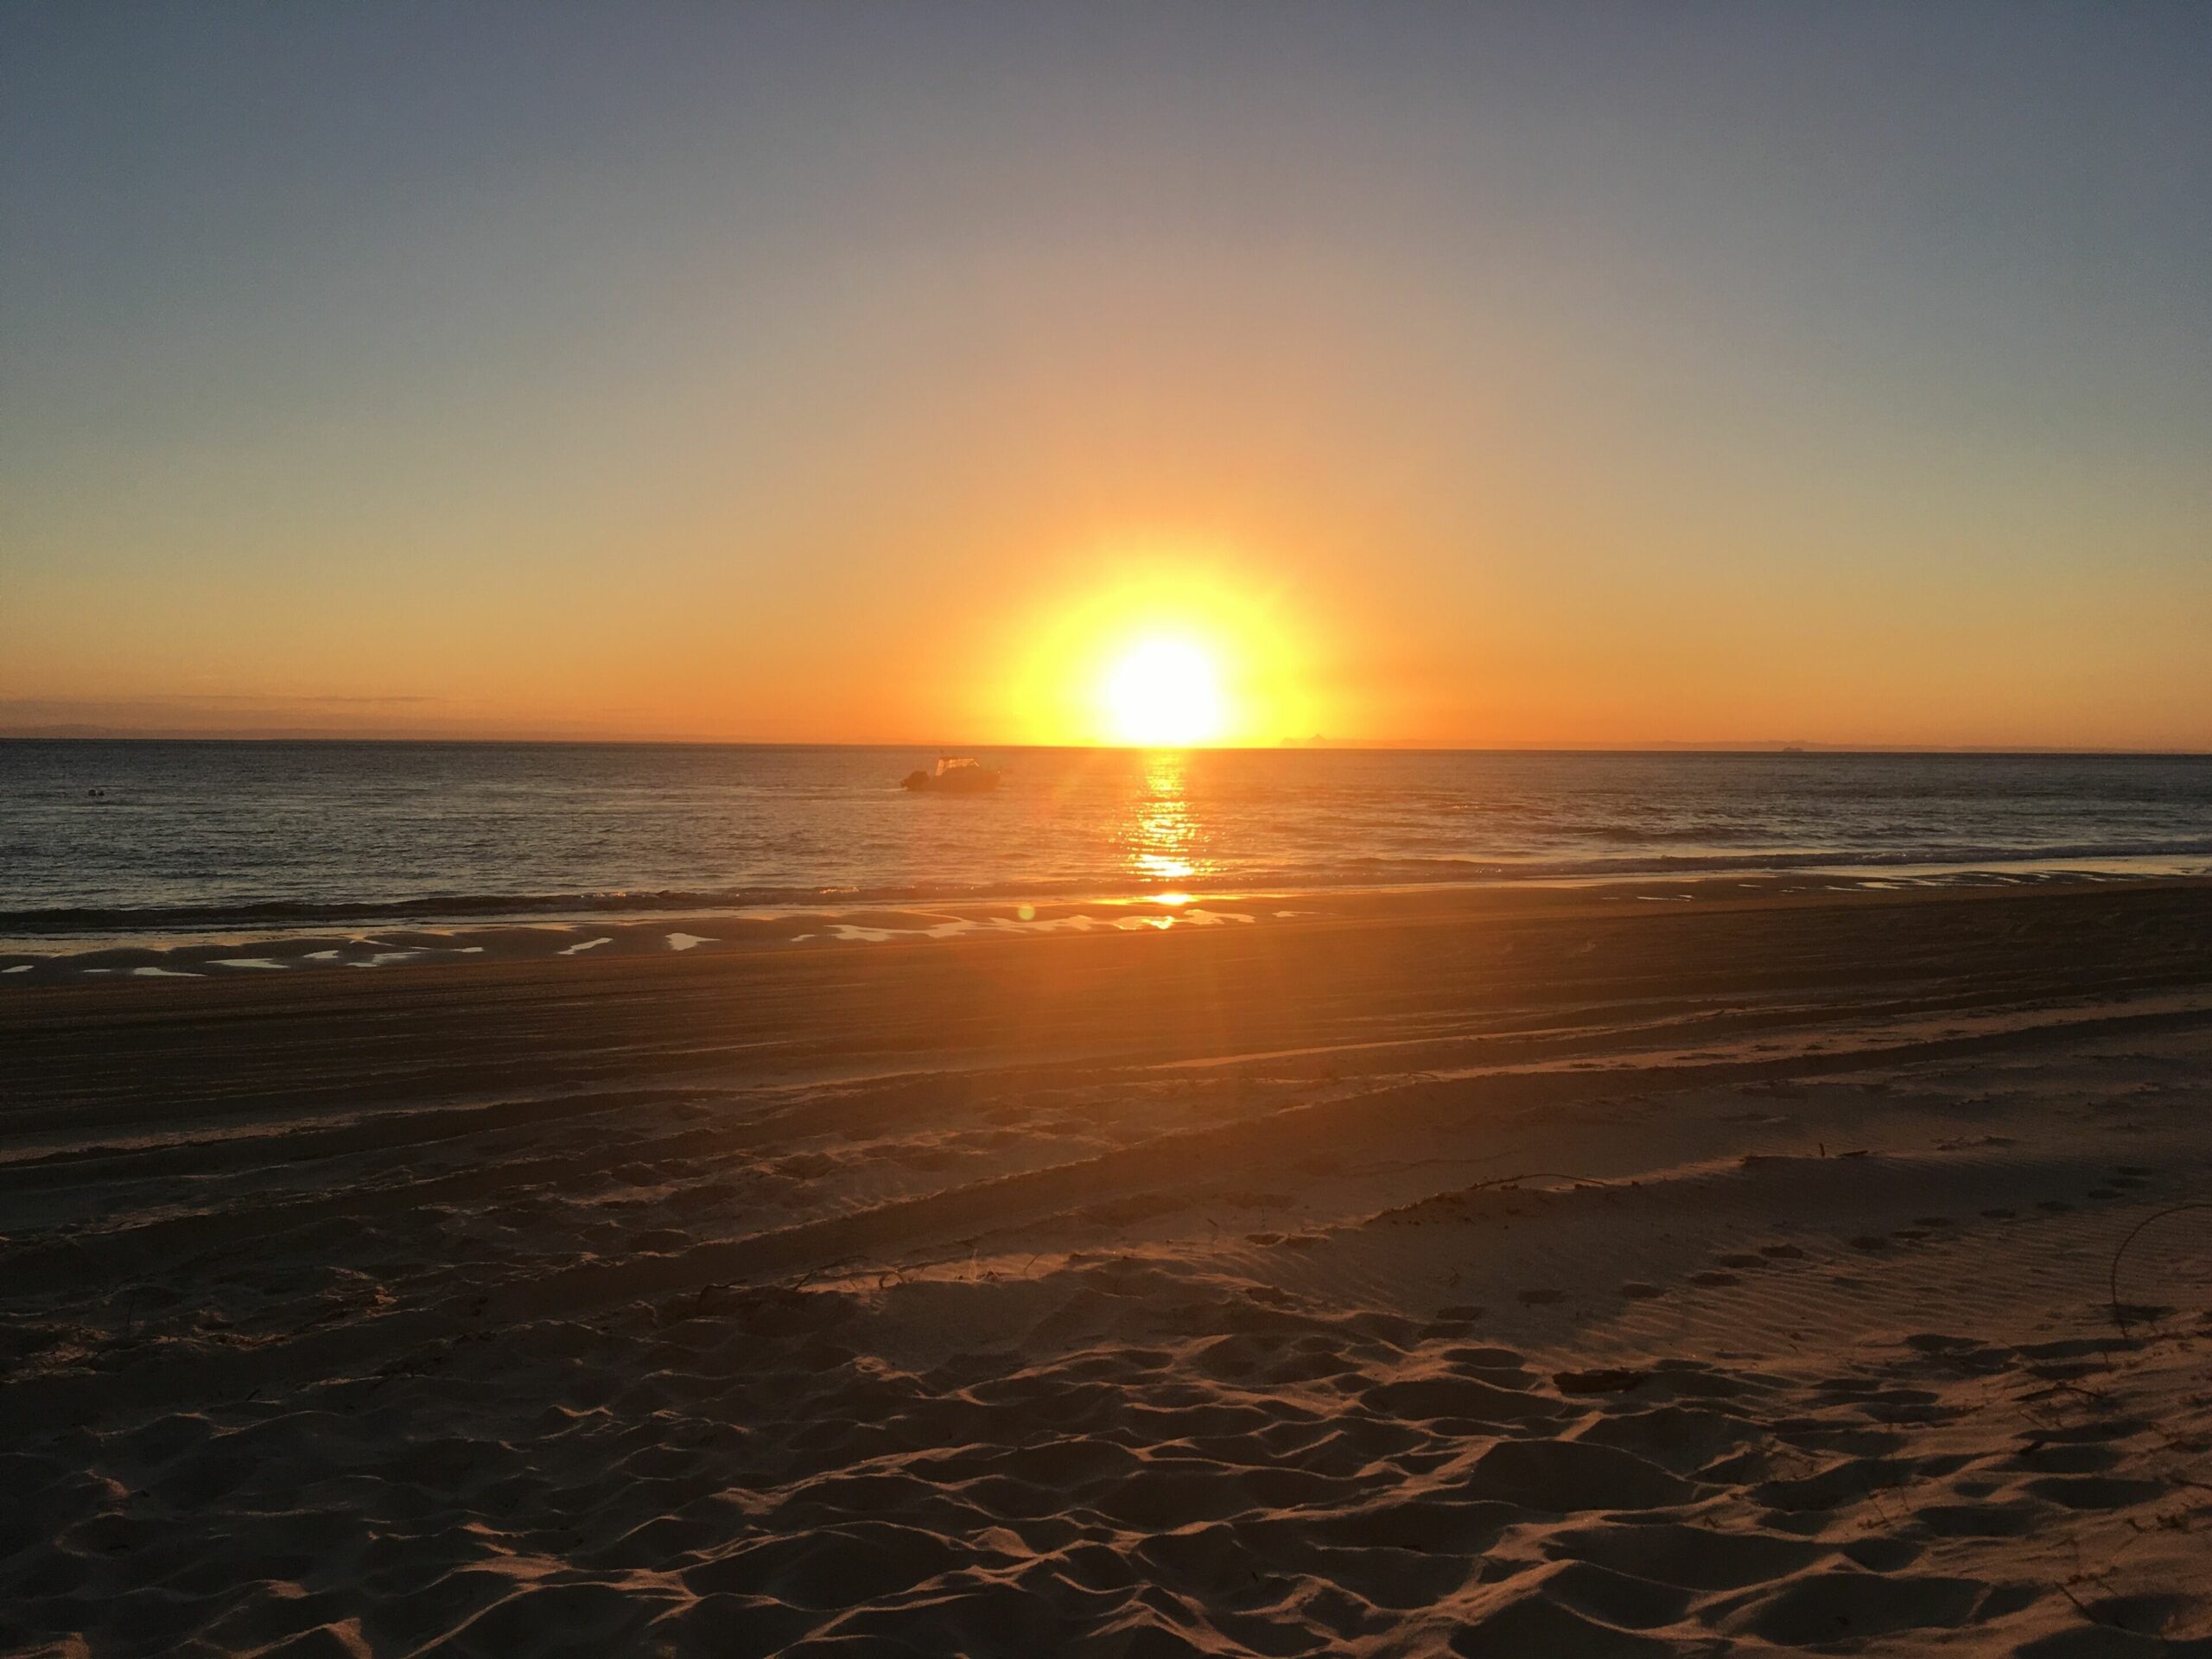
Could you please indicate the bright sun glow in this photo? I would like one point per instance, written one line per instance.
(1164, 694)
(1157, 642)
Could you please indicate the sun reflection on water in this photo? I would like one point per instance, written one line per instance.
(1163, 835)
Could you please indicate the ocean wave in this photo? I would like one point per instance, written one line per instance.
(1712, 862)
(428, 908)
(284, 912)
(1352, 872)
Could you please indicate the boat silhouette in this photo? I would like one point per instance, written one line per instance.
(956, 774)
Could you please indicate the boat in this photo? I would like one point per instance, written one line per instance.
(956, 774)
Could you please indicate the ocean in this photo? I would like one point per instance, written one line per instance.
(116, 839)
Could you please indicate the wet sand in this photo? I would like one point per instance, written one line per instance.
(1531, 1273)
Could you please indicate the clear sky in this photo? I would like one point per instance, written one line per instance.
(1458, 374)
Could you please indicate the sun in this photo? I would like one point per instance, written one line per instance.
(1163, 694)
(1156, 644)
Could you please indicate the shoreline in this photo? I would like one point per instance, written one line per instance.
(243, 951)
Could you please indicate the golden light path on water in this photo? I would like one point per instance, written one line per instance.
(1163, 834)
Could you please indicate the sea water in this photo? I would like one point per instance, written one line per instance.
(111, 838)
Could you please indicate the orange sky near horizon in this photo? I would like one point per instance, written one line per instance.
(826, 374)
(1555, 634)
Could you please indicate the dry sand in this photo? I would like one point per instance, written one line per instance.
(1507, 1274)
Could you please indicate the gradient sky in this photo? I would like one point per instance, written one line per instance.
(1558, 373)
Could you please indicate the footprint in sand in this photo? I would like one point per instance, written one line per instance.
(1743, 1260)
(1714, 1276)
(2094, 1491)
(1612, 1381)
(1782, 1252)
(1868, 1243)
(1636, 1291)
(1542, 1298)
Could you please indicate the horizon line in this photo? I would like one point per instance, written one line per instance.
(1291, 745)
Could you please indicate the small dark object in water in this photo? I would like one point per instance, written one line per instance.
(956, 774)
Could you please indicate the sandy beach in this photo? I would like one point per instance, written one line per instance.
(1512, 1273)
